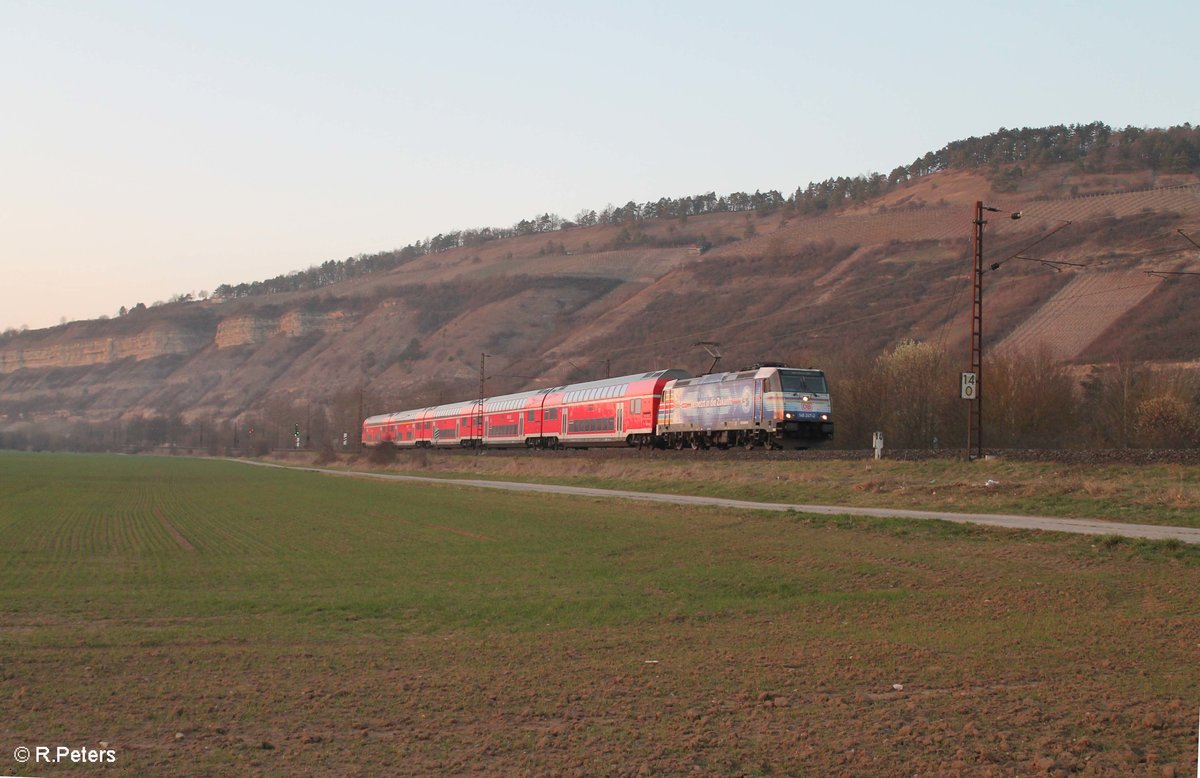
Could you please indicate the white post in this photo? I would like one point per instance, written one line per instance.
(877, 442)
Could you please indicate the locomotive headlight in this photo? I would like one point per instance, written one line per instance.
(824, 417)
(789, 415)
(805, 398)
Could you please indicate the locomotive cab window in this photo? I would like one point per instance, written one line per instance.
(800, 383)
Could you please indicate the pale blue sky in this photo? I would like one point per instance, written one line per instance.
(152, 148)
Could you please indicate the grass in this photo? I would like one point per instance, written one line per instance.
(189, 611)
(1161, 494)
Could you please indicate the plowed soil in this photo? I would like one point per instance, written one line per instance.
(322, 626)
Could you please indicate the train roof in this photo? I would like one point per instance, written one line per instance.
(625, 379)
(518, 399)
(755, 371)
(391, 418)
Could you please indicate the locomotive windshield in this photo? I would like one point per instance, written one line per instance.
(803, 383)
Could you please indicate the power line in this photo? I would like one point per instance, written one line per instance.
(908, 277)
(781, 312)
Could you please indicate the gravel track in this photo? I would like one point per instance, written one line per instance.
(1115, 456)
(1083, 526)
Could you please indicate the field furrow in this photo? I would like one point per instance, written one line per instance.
(208, 618)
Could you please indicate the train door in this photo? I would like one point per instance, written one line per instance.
(620, 417)
(564, 423)
(758, 401)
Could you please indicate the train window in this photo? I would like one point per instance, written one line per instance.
(811, 383)
(551, 414)
(530, 415)
(637, 405)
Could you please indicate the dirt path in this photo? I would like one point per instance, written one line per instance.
(1044, 523)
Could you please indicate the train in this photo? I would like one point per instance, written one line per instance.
(766, 405)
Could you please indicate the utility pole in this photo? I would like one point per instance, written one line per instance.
(975, 419)
(975, 414)
(361, 410)
(482, 389)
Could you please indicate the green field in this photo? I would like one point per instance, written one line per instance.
(206, 617)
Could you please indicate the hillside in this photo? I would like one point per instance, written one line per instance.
(772, 284)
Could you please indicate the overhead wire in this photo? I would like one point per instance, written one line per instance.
(947, 317)
(754, 319)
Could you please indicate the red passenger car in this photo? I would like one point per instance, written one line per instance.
(611, 412)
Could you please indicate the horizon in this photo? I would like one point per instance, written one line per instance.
(165, 151)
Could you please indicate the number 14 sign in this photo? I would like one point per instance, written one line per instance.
(970, 386)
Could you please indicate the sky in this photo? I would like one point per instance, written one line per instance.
(149, 149)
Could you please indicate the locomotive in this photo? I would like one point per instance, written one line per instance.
(768, 405)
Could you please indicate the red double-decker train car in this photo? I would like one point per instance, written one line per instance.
(612, 412)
